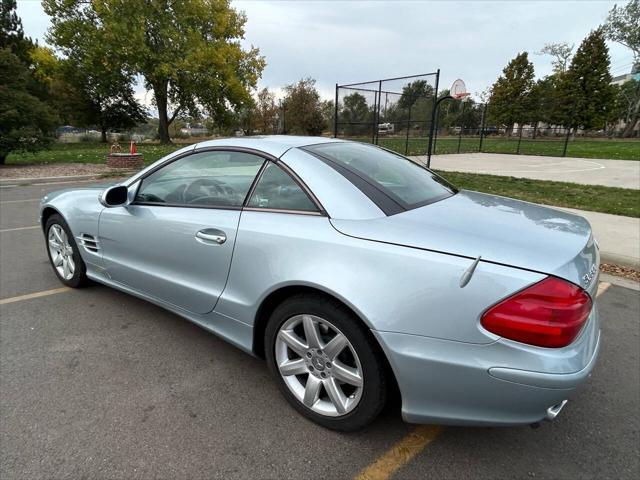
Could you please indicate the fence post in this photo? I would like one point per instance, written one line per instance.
(433, 118)
(406, 141)
(435, 132)
(284, 117)
(461, 126)
(377, 115)
(520, 127)
(335, 115)
(373, 131)
(566, 142)
(483, 123)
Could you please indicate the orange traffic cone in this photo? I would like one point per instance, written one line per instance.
(133, 148)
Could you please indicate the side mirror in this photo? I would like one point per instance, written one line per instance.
(116, 196)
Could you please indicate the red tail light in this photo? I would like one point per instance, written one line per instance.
(550, 313)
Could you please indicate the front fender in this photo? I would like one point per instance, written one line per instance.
(81, 210)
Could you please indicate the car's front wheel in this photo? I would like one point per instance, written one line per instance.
(63, 253)
(326, 363)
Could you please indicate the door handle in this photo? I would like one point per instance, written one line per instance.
(211, 235)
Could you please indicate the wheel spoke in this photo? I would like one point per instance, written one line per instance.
(65, 268)
(335, 346)
(293, 341)
(346, 374)
(311, 332)
(311, 391)
(65, 240)
(336, 396)
(56, 234)
(72, 264)
(53, 244)
(57, 260)
(293, 367)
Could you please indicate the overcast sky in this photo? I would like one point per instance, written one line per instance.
(352, 41)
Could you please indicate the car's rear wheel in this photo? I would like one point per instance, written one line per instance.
(325, 362)
(63, 253)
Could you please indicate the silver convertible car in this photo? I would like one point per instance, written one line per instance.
(355, 272)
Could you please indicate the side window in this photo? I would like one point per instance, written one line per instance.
(276, 189)
(216, 178)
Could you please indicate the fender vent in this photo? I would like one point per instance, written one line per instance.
(89, 242)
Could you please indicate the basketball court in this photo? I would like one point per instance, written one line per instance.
(609, 173)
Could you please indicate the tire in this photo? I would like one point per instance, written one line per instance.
(78, 277)
(338, 405)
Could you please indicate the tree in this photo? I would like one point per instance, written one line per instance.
(188, 52)
(623, 26)
(87, 95)
(412, 91)
(244, 117)
(628, 106)
(585, 92)
(328, 112)
(561, 52)
(511, 98)
(303, 108)
(265, 115)
(544, 104)
(11, 32)
(26, 121)
(355, 115)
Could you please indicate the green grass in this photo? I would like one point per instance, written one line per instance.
(614, 149)
(86, 153)
(617, 201)
(581, 148)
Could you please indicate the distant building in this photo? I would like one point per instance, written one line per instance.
(633, 75)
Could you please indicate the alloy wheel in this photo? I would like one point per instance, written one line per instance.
(61, 252)
(319, 365)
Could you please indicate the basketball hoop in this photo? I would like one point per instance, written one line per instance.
(459, 90)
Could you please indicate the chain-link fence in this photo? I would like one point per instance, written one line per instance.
(467, 127)
(395, 113)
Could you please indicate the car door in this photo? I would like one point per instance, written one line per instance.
(174, 242)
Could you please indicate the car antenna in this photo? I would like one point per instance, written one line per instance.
(468, 273)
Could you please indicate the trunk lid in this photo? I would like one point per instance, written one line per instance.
(501, 230)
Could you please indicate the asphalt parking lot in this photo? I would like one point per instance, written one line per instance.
(98, 384)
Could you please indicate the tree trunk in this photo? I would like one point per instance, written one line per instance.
(103, 134)
(631, 124)
(160, 94)
(3, 157)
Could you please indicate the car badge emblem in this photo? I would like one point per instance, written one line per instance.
(587, 277)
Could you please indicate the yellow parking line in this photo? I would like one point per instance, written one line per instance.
(401, 453)
(602, 288)
(19, 228)
(4, 202)
(29, 296)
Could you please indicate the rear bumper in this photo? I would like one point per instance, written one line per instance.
(502, 383)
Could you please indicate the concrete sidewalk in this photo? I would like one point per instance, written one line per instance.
(609, 173)
(617, 236)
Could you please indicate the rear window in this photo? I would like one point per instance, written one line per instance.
(378, 172)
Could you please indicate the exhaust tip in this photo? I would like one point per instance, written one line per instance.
(553, 412)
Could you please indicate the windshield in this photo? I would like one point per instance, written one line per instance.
(402, 181)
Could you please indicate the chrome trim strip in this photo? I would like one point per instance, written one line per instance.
(282, 210)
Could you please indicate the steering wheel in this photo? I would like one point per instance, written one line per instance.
(206, 188)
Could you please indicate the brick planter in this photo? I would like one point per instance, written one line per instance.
(125, 160)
